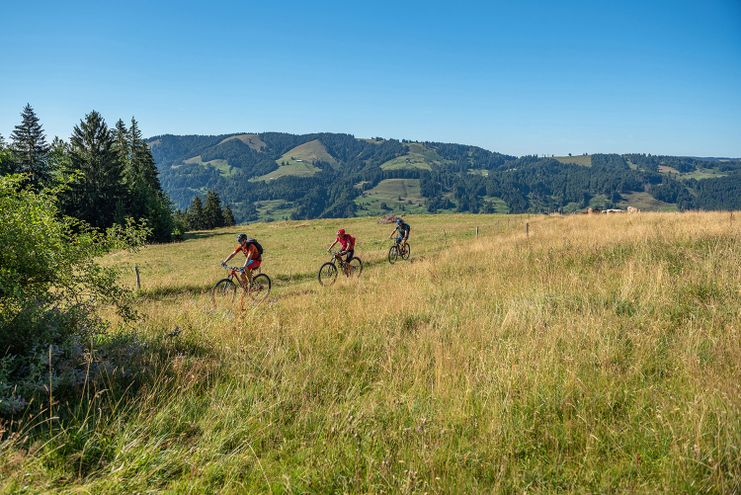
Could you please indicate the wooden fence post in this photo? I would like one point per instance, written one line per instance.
(527, 230)
(138, 280)
(477, 232)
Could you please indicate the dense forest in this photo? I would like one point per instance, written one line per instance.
(337, 175)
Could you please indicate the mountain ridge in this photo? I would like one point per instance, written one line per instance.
(335, 174)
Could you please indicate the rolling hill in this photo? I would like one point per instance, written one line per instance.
(337, 175)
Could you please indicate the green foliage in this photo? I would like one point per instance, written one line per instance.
(228, 217)
(30, 149)
(212, 211)
(525, 184)
(209, 216)
(195, 216)
(100, 192)
(50, 283)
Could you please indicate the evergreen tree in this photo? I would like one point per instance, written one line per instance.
(145, 198)
(228, 217)
(30, 149)
(59, 159)
(142, 161)
(122, 148)
(195, 216)
(212, 211)
(98, 197)
(6, 162)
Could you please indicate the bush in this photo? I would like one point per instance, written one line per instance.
(50, 289)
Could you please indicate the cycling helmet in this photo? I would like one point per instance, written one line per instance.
(341, 232)
(398, 221)
(241, 237)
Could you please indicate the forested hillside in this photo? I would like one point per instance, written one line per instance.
(276, 175)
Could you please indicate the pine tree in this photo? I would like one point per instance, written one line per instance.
(122, 147)
(212, 211)
(6, 162)
(228, 217)
(195, 216)
(144, 196)
(30, 149)
(98, 197)
(59, 159)
(141, 158)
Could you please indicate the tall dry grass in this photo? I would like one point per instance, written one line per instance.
(601, 354)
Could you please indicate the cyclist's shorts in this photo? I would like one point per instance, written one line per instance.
(253, 264)
(399, 239)
(350, 254)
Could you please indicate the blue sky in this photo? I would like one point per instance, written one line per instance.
(515, 77)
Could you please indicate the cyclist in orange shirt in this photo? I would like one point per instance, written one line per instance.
(252, 251)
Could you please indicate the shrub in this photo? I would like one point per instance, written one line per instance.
(50, 289)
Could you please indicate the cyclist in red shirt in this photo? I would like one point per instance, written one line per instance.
(347, 242)
(252, 251)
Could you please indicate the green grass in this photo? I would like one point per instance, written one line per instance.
(583, 160)
(399, 195)
(479, 171)
(704, 173)
(419, 157)
(500, 206)
(221, 165)
(645, 202)
(298, 161)
(598, 355)
(251, 140)
(276, 209)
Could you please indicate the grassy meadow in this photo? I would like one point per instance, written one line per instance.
(602, 354)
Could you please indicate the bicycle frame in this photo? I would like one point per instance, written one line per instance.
(234, 271)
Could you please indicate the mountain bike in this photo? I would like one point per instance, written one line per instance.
(399, 250)
(328, 271)
(225, 290)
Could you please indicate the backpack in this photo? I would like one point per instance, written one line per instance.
(257, 245)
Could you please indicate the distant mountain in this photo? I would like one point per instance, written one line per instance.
(275, 175)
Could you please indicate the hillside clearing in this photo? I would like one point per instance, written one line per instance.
(583, 160)
(251, 140)
(419, 157)
(400, 195)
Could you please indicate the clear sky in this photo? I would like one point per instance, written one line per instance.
(516, 77)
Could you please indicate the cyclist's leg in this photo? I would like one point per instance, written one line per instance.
(350, 253)
(247, 272)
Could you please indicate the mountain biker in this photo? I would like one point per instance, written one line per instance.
(252, 251)
(403, 229)
(347, 242)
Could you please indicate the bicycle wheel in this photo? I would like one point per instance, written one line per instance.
(223, 292)
(356, 267)
(327, 274)
(393, 254)
(260, 289)
(406, 251)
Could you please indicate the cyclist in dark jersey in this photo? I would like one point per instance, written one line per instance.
(403, 230)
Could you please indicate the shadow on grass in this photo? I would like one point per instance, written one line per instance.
(205, 235)
(159, 293)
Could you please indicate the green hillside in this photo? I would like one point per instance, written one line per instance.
(339, 175)
(400, 195)
(584, 160)
(418, 157)
(299, 161)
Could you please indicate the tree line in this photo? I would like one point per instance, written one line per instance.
(103, 176)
